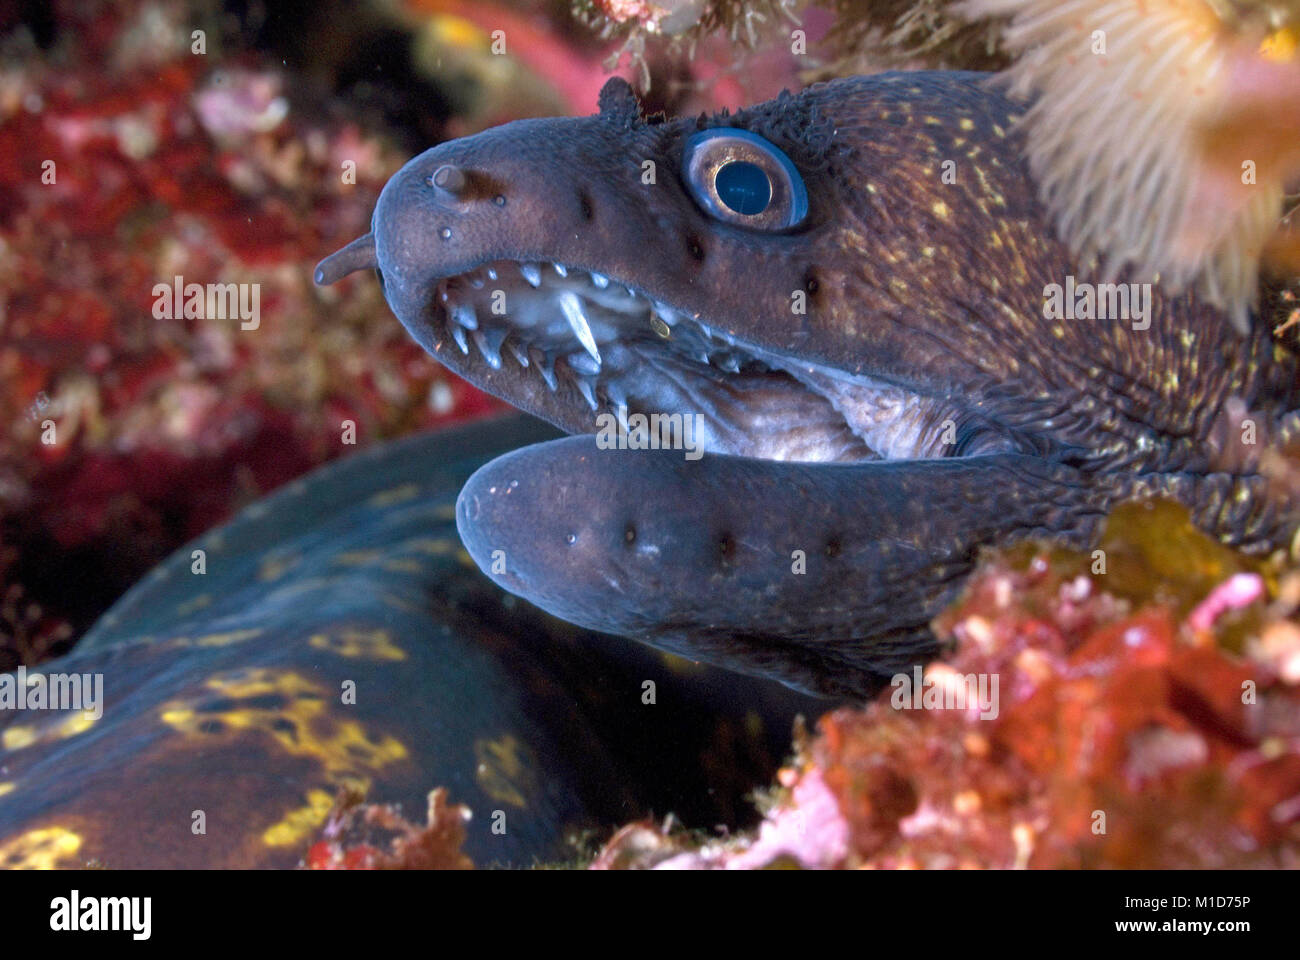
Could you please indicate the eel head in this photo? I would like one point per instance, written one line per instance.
(825, 287)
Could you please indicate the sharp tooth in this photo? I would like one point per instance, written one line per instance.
(583, 364)
(561, 269)
(616, 395)
(545, 366)
(599, 281)
(571, 307)
(532, 273)
(443, 295)
(463, 313)
(588, 392)
(730, 364)
(489, 344)
(518, 353)
(458, 334)
(476, 283)
(492, 274)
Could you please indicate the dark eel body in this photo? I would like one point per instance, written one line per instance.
(919, 407)
(224, 693)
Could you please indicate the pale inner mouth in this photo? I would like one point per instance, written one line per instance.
(624, 352)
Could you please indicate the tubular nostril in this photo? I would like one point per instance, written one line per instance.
(450, 180)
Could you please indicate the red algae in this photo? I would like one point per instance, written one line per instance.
(1146, 712)
(131, 430)
(365, 836)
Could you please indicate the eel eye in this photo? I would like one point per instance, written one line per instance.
(739, 178)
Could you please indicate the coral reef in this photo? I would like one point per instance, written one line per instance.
(367, 836)
(126, 432)
(1144, 714)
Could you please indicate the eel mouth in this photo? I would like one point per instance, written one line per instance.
(625, 353)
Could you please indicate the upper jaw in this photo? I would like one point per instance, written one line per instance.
(571, 344)
(569, 336)
(574, 346)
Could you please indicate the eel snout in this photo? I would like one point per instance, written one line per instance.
(822, 576)
(357, 255)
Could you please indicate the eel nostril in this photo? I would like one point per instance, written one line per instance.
(450, 180)
(585, 205)
(726, 548)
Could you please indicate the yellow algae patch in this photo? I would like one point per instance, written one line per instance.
(360, 644)
(301, 823)
(198, 603)
(433, 547)
(76, 722)
(388, 498)
(276, 566)
(39, 849)
(397, 603)
(309, 585)
(6, 788)
(1280, 45)
(56, 725)
(18, 736)
(357, 558)
(402, 565)
(505, 770)
(226, 639)
(680, 665)
(458, 32)
(290, 709)
(445, 511)
(940, 210)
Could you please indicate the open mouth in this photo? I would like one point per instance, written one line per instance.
(624, 352)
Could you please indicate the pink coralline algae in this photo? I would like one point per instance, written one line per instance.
(1147, 713)
(130, 428)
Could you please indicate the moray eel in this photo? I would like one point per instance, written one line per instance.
(849, 288)
(339, 636)
(863, 440)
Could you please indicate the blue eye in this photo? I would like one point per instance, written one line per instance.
(739, 178)
(743, 187)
